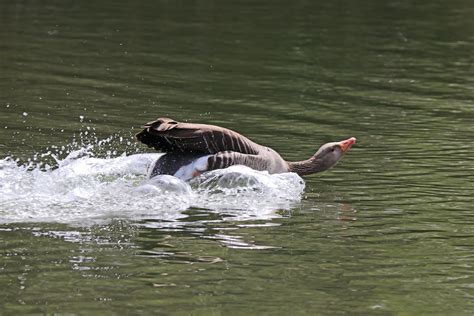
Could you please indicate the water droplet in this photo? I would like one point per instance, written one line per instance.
(25, 114)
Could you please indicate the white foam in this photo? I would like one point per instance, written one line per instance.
(87, 190)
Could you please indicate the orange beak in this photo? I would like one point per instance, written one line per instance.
(347, 144)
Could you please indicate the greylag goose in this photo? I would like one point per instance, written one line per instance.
(192, 149)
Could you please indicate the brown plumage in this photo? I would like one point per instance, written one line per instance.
(186, 143)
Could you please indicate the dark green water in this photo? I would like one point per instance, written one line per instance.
(388, 231)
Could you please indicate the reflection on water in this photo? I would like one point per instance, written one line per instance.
(386, 231)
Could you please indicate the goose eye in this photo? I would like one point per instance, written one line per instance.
(332, 148)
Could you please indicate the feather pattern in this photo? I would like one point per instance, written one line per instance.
(168, 135)
(224, 147)
(195, 148)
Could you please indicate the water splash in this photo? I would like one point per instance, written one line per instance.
(83, 189)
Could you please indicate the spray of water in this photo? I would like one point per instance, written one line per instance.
(95, 183)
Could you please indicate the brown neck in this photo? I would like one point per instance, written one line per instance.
(305, 167)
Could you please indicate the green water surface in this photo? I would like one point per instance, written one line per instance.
(389, 231)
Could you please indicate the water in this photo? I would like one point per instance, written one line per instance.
(88, 190)
(387, 231)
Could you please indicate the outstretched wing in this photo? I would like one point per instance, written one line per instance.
(168, 135)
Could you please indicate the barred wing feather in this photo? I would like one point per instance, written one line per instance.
(168, 135)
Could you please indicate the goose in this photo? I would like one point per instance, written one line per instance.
(192, 149)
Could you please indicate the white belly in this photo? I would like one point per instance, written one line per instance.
(195, 168)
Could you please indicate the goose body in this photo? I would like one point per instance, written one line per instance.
(191, 149)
